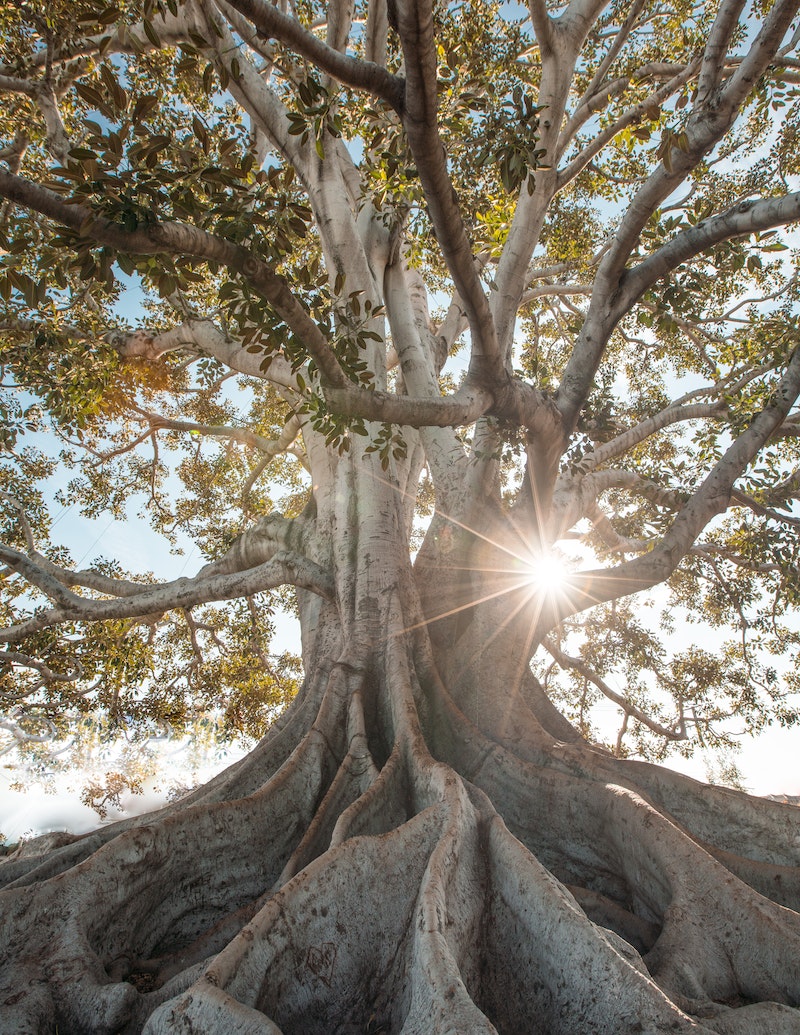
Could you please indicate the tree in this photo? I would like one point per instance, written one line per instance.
(584, 210)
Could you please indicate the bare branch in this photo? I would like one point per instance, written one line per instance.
(710, 499)
(746, 218)
(283, 568)
(676, 732)
(542, 26)
(241, 435)
(644, 429)
(716, 49)
(629, 117)
(415, 26)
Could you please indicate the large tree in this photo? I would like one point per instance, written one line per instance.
(519, 273)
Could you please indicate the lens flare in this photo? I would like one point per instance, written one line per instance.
(547, 574)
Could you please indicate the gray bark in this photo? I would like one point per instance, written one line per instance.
(420, 844)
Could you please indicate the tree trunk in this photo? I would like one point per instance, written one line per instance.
(421, 844)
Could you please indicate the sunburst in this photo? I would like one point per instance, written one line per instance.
(547, 573)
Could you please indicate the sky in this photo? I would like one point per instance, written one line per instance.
(769, 763)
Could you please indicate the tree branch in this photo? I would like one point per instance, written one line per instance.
(620, 38)
(566, 662)
(419, 114)
(644, 429)
(352, 72)
(180, 238)
(706, 126)
(241, 435)
(542, 26)
(283, 568)
(711, 498)
(210, 340)
(633, 115)
(746, 218)
(716, 48)
(345, 397)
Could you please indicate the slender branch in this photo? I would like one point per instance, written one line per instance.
(602, 481)
(9, 657)
(22, 517)
(710, 551)
(758, 508)
(567, 662)
(618, 42)
(615, 543)
(644, 429)
(241, 435)
(629, 117)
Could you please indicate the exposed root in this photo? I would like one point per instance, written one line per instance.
(549, 970)
(331, 935)
(402, 870)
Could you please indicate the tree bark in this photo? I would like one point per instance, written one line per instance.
(421, 843)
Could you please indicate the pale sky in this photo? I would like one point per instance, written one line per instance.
(770, 763)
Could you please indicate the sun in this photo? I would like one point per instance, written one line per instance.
(547, 573)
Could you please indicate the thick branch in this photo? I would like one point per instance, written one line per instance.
(746, 218)
(415, 25)
(182, 239)
(710, 499)
(360, 75)
(284, 568)
(717, 47)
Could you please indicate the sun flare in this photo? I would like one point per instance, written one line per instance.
(547, 573)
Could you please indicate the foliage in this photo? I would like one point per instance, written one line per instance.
(166, 381)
